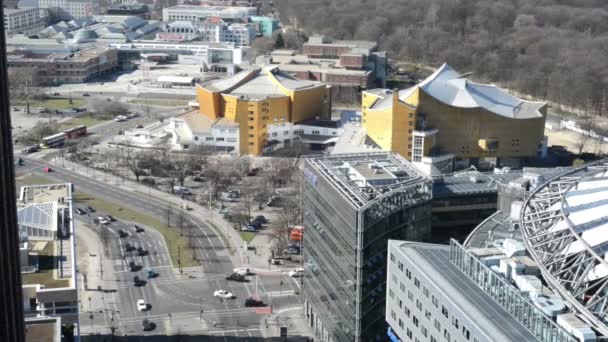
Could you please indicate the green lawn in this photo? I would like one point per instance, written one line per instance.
(31, 179)
(174, 241)
(162, 103)
(53, 103)
(85, 119)
(46, 266)
(247, 236)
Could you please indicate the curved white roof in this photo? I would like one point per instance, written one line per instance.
(452, 88)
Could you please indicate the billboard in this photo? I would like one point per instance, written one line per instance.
(170, 37)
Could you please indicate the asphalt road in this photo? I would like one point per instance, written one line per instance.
(175, 301)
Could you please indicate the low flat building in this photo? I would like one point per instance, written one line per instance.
(226, 13)
(212, 30)
(65, 67)
(22, 21)
(265, 25)
(48, 253)
(68, 9)
(137, 9)
(43, 329)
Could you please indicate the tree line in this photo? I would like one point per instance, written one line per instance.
(553, 50)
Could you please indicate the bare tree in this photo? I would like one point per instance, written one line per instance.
(586, 125)
(106, 109)
(278, 172)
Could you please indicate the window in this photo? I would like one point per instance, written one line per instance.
(274, 134)
(400, 266)
(425, 291)
(444, 311)
(219, 139)
(391, 294)
(407, 311)
(231, 139)
(209, 139)
(286, 133)
(466, 333)
(393, 315)
(408, 274)
(400, 323)
(424, 331)
(427, 314)
(416, 282)
(415, 320)
(435, 301)
(251, 127)
(418, 305)
(251, 135)
(251, 118)
(316, 132)
(409, 333)
(410, 295)
(392, 257)
(455, 322)
(437, 325)
(446, 335)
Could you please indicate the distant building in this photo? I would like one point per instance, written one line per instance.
(352, 205)
(68, 9)
(212, 30)
(47, 329)
(48, 254)
(266, 25)
(22, 21)
(260, 97)
(65, 67)
(137, 9)
(447, 121)
(189, 13)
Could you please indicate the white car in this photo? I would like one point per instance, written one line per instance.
(120, 118)
(103, 220)
(298, 272)
(223, 294)
(141, 305)
(241, 270)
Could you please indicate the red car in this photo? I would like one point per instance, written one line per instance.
(47, 170)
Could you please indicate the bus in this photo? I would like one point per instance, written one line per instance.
(75, 132)
(55, 140)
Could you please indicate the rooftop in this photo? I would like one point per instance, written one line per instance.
(43, 329)
(434, 263)
(364, 177)
(46, 193)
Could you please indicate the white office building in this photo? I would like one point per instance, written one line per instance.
(226, 13)
(22, 21)
(68, 9)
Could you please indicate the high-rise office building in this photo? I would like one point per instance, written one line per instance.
(11, 304)
(354, 203)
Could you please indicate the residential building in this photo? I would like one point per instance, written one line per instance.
(447, 121)
(229, 14)
(530, 272)
(47, 236)
(212, 30)
(130, 8)
(239, 34)
(22, 21)
(352, 205)
(65, 67)
(68, 9)
(192, 129)
(265, 25)
(11, 302)
(260, 97)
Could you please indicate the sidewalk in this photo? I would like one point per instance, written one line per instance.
(256, 260)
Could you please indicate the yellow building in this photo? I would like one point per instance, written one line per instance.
(448, 117)
(258, 98)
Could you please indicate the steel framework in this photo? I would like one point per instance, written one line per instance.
(565, 269)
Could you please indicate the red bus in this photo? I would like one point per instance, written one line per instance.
(76, 132)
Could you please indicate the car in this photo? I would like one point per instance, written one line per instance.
(56, 94)
(141, 251)
(122, 233)
(138, 229)
(47, 170)
(151, 274)
(298, 272)
(248, 228)
(291, 251)
(180, 190)
(43, 110)
(16, 109)
(129, 247)
(86, 94)
(133, 267)
(223, 294)
(102, 220)
(110, 218)
(241, 270)
(256, 224)
(252, 302)
(141, 305)
(120, 118)
(138, 282)
(90, 209)
(253, 172)
(79, 211)
(261, 219)
(146, 325)
(72, 110)
(235, 277)
(31, 149)
(139, 126)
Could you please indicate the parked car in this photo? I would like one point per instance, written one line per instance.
(248, 228)
(256, 224)
(292, 251)
(139, 126)
(241, 270)
(181, 190)
(138, 282)
(132, 266)
(223, 294)
(260, 218)
(146, 325)
(129, 247)
(235, 277)
(296, 273)
(110, 218)
(252, 302)
(79, 211)
(90, 209)
(253, 172)
(86, 94)
(151, 274)
(141, 305)
(141, 251)
(102, 220)
(137, 228)
(120, 118)
(47, 170)
(122, 233)
(31, 149)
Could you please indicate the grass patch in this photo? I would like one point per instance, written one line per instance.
(54, 103)
(86, 119)
(222, 236)
(174, 241)
(31, 179)
(162, 103)
(247, 236)
(46, 266)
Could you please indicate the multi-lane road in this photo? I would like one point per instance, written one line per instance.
(175, 300)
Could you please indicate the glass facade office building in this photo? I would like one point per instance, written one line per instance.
(353, 204)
